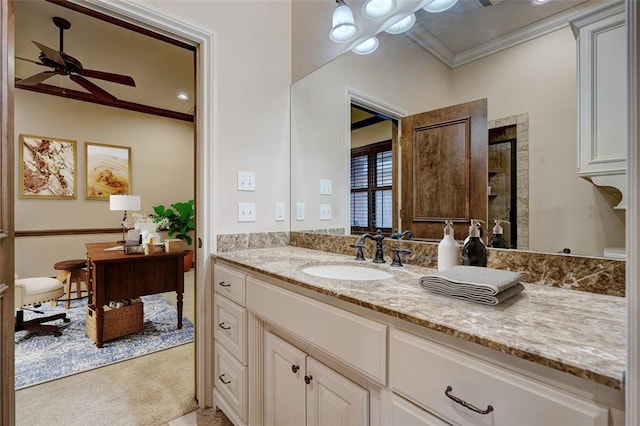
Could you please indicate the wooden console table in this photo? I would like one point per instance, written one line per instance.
(115, 275)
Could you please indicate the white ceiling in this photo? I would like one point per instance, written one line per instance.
(160, 70)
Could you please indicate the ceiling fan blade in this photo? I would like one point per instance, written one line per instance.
(30, 60)
(51, 53)
(116, 78)
(95, 90)
(36, 79)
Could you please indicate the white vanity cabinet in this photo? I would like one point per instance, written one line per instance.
(311, 359)
(467, 391)
(230, 352)
(602, 97)
(301, 391)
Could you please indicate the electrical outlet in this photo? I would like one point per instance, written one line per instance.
(280, 212)
(299, 211)
(246, 181)
(246, 212)
(325, 211)
(325, 186)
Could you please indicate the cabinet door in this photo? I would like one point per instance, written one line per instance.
(284, 383)
(333, 400)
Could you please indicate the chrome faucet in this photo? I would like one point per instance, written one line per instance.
(379, 257)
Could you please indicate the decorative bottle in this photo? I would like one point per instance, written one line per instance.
(448, 249)
(474, 253)
(497, 240)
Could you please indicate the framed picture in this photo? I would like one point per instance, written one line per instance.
(47, 167)
(108, 170)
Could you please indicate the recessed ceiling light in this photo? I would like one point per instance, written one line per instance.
(539, 2)
(183, 96)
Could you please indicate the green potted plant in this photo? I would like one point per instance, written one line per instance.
(179, 221)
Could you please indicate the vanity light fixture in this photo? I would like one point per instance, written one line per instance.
(375, 9)
(402, 25)
(437, 6)
(366, 47)
(343, 27)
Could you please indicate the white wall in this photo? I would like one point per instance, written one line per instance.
(252, 75)
(162, 167)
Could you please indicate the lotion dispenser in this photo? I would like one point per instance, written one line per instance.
(474, 253)
(497, 240)
(448, 249)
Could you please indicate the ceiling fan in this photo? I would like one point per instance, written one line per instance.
(64, 64)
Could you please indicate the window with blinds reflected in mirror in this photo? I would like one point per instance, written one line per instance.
(371, 188)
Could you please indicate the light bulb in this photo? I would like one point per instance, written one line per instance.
(343, 26)
(378, 8)
(402, 25)
(437, 6)
(367, 46)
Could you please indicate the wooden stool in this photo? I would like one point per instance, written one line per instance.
(72, 271)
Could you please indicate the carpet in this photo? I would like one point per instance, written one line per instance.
(41, 358)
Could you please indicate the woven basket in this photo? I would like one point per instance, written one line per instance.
(116, 322)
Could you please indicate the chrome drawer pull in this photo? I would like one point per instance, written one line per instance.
(223, 326)
(466, 404)
(223, 284)
(222, 380)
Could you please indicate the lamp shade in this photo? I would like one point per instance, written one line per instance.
(402, 25)
(367, 46)
(378, 8)
(437, 6)
(124, 202)
(343, 27)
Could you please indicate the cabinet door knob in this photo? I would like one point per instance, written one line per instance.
(220, 377)
(295, 368)
(223, 326)
(223, 284)
(465, 404)
(307, 379)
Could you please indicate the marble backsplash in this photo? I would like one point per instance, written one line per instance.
(233, 242)
(591, 274)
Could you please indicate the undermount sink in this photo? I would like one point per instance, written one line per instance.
(347, 272)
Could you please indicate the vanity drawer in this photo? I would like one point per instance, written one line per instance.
(422, 371)
(406, 414)
(229, 327)
(231, 381)
(356, 341)
(230, 283)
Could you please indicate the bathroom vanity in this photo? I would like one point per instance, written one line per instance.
(296, 348)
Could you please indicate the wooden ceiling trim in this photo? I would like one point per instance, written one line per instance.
(88, 97)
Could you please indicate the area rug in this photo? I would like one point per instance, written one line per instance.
(40, 358)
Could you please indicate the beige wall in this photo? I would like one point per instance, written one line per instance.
(252, 75)
(537, 77)
(162, 168)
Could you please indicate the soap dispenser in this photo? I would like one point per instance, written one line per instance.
(497, 240)
(474, 253)
(448, 249)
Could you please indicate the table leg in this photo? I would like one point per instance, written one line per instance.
(99, 325)
(179, 310)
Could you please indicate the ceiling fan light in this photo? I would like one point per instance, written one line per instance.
(402, 25)
(437, 6)
(375, 9)
(343, 26)
(366, 47)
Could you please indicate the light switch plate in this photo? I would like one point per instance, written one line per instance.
(280, 212)
(325, 211)
(325, 186)
(246, 181)
(246, 212)
(299, 211)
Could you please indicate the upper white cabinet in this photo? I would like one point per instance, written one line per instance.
(602, 90)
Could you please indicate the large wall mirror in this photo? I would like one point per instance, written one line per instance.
(530, 90)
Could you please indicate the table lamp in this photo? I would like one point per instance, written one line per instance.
(124, 203)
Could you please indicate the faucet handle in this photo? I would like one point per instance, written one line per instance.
(359, 254)
(396, 256)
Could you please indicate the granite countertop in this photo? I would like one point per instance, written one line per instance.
(572, 331)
